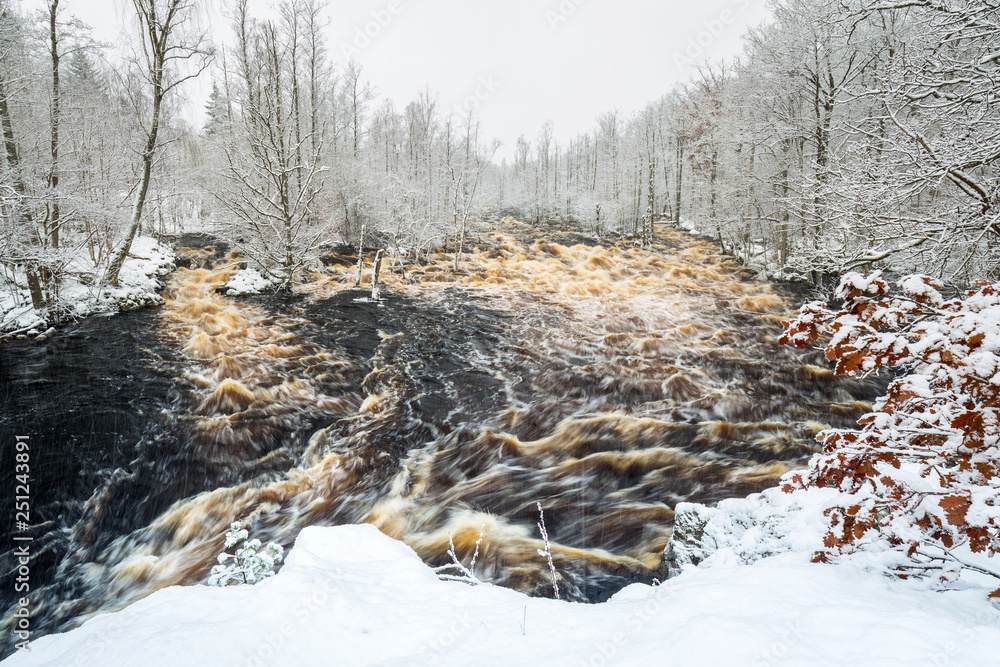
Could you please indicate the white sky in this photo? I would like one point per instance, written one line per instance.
(564, 60)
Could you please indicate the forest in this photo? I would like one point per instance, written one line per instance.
(848, 135)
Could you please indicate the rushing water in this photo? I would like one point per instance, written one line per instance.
(606, 382)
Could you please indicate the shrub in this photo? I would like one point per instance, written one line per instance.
(248, 564)
(920, 476)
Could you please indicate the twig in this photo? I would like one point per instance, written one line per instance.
(547, 553)
(466, 572)
(952, 556)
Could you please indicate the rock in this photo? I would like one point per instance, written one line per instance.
(45, 335)
(686, 545)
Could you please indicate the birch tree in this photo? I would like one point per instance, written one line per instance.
(479, 162)
(273, 161)
(169, 46)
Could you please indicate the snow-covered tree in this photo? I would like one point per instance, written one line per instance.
(166, 47)
(248, 564)
(926, 179)
(273, 162)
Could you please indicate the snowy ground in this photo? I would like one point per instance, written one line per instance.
(138, 286)
(351, 596)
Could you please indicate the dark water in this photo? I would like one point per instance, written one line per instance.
(605, 381)
(90, 399)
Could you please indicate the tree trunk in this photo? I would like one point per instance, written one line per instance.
(461, 244)
(361, 251)
(376, 269)
(9, 142)
(650, 194)
(14, 165)
(148, 154)
(680, 175)
(158, 30)
(54, 111)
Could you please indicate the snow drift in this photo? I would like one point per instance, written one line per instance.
(349, 595)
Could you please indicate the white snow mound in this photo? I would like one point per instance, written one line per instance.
(247, 281)
(349, 595)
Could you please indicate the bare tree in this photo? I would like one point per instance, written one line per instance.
(19, 211)
(480, 161)
(54, 111)
(167, 44)
(272, 164)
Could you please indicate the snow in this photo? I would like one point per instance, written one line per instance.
(752, 528)
(689, 226)
(248, 281)
(82, 295)
(869, 284)
(14, 317)
(349, 595)
(922, 286)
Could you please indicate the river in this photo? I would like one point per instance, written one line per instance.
(607, 382)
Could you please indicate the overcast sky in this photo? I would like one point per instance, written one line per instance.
(520, 61)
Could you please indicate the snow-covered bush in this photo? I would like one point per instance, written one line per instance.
(248, 564)
(920, 478)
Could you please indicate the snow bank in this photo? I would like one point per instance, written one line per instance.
(248, 281)
(351, 596)
(81, 294)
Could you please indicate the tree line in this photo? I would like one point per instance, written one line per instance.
(847, 135)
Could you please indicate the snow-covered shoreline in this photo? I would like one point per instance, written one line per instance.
(743, 591)
(139, 284)
(349, 595)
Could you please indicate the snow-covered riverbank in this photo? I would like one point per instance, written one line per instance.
(81, 294)
(349, 595)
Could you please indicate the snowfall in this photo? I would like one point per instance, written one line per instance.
(348, 595)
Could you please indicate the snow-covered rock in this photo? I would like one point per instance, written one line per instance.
(248, 281)
(349, 596)
(752, 528)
